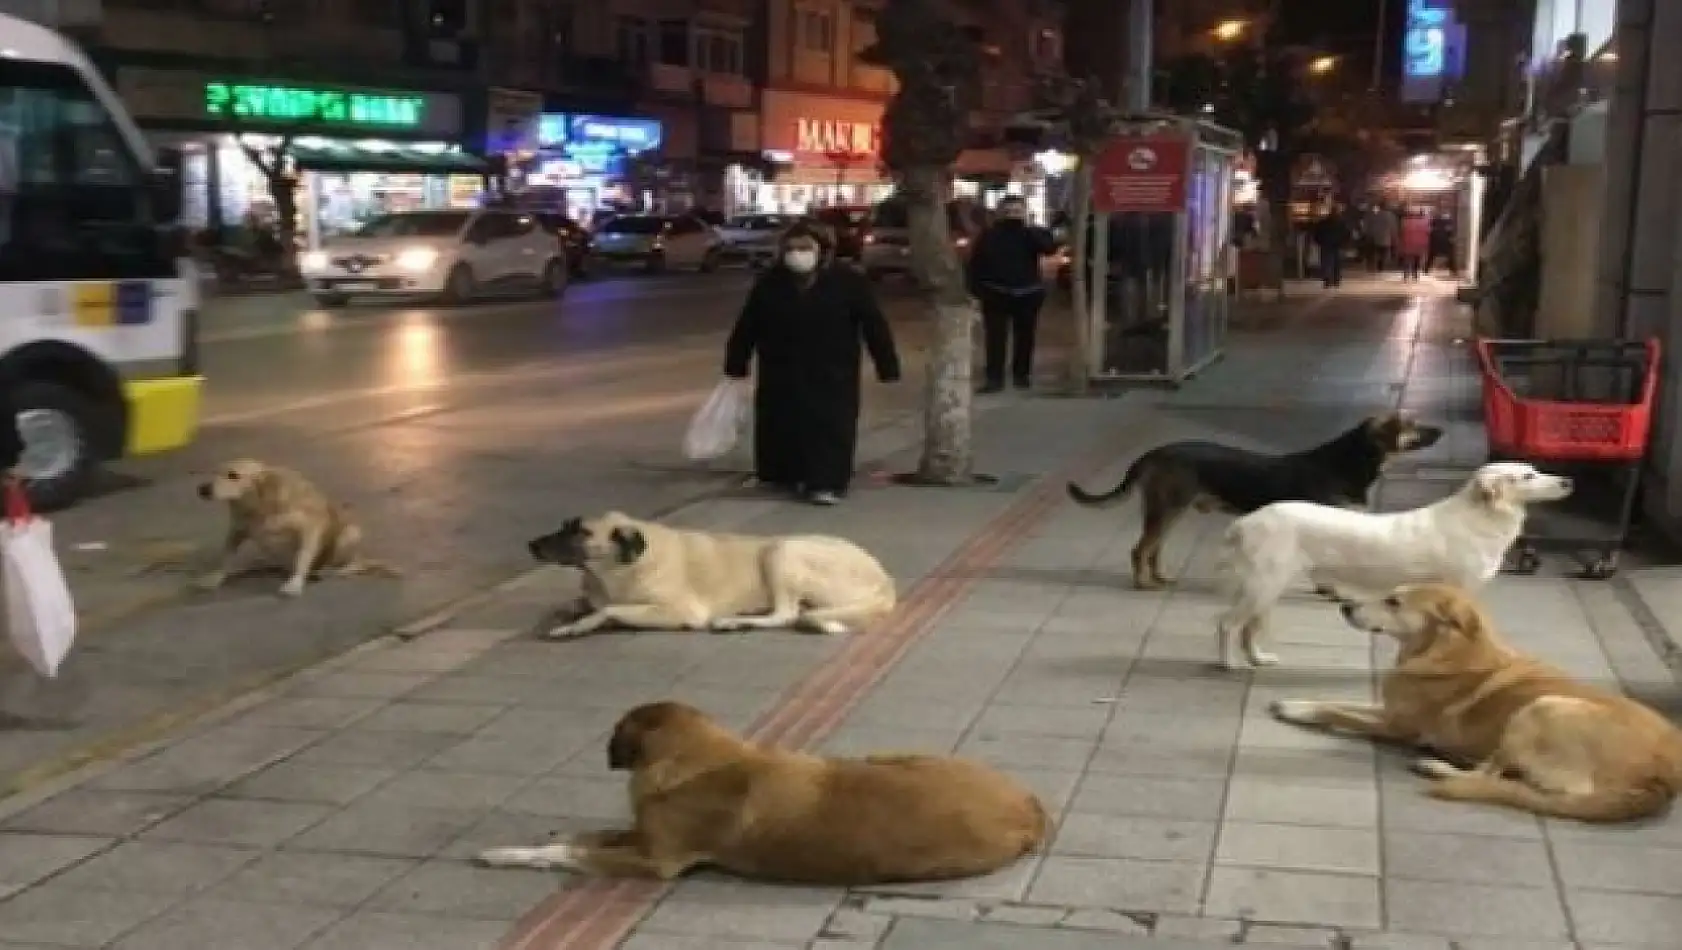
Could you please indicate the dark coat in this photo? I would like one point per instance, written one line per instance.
(809, 342)
(11, 442)
(1007, 258)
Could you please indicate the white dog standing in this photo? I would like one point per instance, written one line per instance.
(1460, 540)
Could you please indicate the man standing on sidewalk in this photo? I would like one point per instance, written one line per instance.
(1331, 236)
(1004, 274)
(1379, 227)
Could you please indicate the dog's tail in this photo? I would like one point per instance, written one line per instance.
(1116, 494)
(1645, 798)
(1039, 829)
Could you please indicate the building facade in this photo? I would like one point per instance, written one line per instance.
(370, 103)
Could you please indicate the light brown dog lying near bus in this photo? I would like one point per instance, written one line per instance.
(278, 519)
(704, 796)
(1538, 740)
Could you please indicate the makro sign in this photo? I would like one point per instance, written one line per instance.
(834, 137)
(315, 105)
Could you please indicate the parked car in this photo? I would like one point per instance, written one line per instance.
(753, 237)
(887, 243)
(850, 224)
(658, 241)
(574, 238)
(454, 255)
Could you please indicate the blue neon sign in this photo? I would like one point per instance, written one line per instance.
(1425, 43)
(598, 132)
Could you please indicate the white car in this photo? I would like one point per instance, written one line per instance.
(454, 255)
(887, 243)
(753, 236)
(658, 241)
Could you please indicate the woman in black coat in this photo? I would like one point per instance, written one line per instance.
(807, 321)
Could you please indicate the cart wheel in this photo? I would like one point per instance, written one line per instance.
(1602, 567)
(1527, 561)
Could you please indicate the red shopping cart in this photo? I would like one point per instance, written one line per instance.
(1578, 402)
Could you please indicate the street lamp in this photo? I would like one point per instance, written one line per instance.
(1229, 30)
(1321, 65)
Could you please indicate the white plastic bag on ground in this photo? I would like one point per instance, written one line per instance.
(719, 423)
(40, 616)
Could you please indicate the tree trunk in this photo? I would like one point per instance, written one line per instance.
(948, 455)
(1080, 219)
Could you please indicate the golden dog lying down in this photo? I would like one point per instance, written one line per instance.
(704, 796)
(1540, 740)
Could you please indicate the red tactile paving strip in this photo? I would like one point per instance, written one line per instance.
(598, 914)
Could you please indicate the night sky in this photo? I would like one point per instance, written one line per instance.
(1345, 27)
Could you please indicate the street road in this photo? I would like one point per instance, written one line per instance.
(455, 433)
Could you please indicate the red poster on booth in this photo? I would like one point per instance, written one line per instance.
(1146, 174)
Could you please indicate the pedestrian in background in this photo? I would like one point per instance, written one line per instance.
(1331, 236)
(1379, 226)
(1442, 244)
(806, 323)
(1004, 274)
(1414, 243)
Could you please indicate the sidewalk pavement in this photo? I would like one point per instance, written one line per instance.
(338, 810)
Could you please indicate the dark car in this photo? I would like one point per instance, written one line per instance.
(573, 237)
(849, 223)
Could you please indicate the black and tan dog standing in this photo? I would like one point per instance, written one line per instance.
(1209, 476)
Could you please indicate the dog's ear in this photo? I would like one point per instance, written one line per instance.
(264, 488)
(1490, 487)
(573, 525)
(629, 543)
(628, 748)
(1455, 614)
(1387, 429)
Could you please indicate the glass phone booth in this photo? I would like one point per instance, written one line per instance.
(1161, 248)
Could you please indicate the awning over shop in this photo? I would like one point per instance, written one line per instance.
(402, 159)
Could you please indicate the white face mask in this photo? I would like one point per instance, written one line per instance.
(801, 262)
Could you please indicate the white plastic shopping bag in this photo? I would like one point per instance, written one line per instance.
(719, 423)
(40, 616)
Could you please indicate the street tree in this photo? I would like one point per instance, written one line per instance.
(924, 127)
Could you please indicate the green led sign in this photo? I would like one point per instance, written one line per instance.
(262, 103)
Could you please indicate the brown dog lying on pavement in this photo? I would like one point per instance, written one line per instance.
(277, 518)
(1175, 478)
(703, 795)
(1541, 741)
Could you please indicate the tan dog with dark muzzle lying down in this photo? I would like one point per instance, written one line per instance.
(704, 796)
(1536, 738)
(277, 518)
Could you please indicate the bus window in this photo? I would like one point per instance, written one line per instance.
(73, 198)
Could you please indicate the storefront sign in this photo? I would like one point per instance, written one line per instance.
(313, 105)
(1145, 174)
(1427, 49)
(627, 135)
(511, 120)
(830, 137)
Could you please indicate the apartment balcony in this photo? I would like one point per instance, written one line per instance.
(729, 92)
(58, 14)
(123, 27)
(663, 79)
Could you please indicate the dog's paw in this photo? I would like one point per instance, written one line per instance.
(1263, 658)
(830, 627)
(562, 632)
(209, 582)
(726, 625)
(292, 588)
(559, 855)
(1297, 711)
(1230, 664)
(1434, 768)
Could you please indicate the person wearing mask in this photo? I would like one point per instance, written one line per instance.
(806, 323)
(1414, 244)
(1379, 226)
(1331, 236)
(1004, 274)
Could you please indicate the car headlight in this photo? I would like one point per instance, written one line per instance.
(312, 260)
(417, 259)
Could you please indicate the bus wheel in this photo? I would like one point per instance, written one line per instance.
(54, 422)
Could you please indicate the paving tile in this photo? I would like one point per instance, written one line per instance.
(1472, 860)
(740, 909)
(524, 756)
(311, 712)
(1151, 797)
(1461, 909)
(370, 748)
(1618, 867)
(650, 940)
(1640, 920)
(1057, 721)
(360, 685)
(295, 781)
(456, 719)
(1031, 752)
(864, 740)
(57, 915)
(1336, 900)
(462, 891)
(207, 761)
(1345, 805)
(429, 788)
(1008, 884)
(1118, 836)
(501, 828)
(92, 812)
(1119, 883)
(26, 857)
(333, 880)
(1162, 761)
(1408, 809)
(601, 799)
(927, 934)
(373, 930)
(230, 925)
(1171, 730)
(160, 867)
(385, 832)
(1299, 848)
(237, 822)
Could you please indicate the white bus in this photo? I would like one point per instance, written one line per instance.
(98, 304)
